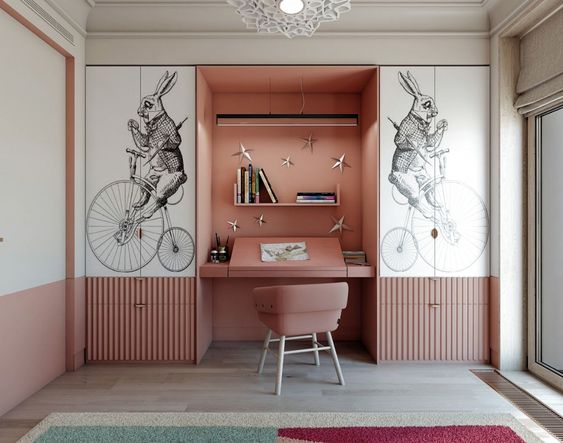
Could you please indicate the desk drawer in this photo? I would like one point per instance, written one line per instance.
(151, 319)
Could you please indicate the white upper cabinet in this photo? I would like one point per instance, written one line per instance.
(140, 171)
(434, 172)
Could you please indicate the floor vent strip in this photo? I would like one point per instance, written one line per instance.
(532, 407)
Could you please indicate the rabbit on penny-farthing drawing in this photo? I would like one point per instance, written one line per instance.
(162, 143)
(414, 143)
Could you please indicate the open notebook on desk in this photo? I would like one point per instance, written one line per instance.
(325, 258)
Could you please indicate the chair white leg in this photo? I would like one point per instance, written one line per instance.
(265, 347)
(316, 353)
(335, 358)
(279, 374)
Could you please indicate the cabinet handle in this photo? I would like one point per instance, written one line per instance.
(434, 305)
(139, 305)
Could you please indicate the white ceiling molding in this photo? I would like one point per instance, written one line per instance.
(224, 18)
(355, 4)
(252, 35)
(522, 19)
(70, 20)
(206, 18)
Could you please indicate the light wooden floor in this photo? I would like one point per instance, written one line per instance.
(227, 381)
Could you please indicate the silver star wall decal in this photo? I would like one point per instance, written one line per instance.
(309, 141)
(243, 153)
(339, 225)
(287, 161)
(260, 220)
(234, 225)
(340, 163)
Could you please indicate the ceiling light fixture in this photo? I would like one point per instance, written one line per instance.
(289, 17)
(291, 6)
(304, 120)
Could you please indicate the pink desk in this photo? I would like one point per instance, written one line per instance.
(325, 260)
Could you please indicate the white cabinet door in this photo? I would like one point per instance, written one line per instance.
(434, 171)
(140, 171)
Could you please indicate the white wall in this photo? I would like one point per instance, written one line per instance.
(396, 49)
(77, 50)
(32, 170)
(508, 205)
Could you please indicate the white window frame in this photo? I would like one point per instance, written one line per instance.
(534, 366)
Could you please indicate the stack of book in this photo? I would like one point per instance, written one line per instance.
(355, 257)
(253, 186)
(316, 197)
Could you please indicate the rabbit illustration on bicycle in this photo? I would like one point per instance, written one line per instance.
(446, 221)
(128, 221)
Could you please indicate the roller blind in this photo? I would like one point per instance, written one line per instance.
(540, 83)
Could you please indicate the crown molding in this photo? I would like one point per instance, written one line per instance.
(356, 4)
(254, 35)
(60, 11)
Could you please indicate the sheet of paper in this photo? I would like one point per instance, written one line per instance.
(272, 252)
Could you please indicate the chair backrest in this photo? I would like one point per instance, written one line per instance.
(293, 299)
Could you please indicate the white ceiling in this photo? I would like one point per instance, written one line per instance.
(216, 17)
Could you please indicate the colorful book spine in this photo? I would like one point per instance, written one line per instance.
(242, 185)
(250, 190)
(257, 198)
(239, 182)
(253, 187)
(246, 187)
(316, 197)
(316, 202)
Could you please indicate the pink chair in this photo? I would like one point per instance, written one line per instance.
(300, 312)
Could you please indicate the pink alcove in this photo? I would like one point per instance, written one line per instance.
(225, 309)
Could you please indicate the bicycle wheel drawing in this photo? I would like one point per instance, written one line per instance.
(462, 226)
(176, 198)
(399, 249)
(115, 234)
(175, 249)
(399, 198)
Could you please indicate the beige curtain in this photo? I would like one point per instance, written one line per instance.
(540, 83)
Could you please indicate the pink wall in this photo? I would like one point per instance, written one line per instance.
(204, 159)
(75, 318)
(32, 348)
(370, 193)
(311, 172)
(234, 316)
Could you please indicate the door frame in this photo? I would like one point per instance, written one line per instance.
(534, 365)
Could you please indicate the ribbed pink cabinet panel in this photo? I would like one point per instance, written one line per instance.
(441, 319)
(148, 319)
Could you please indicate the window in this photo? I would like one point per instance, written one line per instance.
(549, 243)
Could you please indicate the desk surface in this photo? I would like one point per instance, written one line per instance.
(325, 260)
(325, 253)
